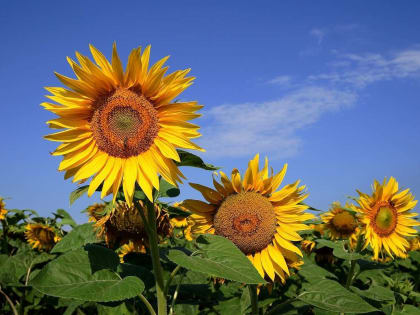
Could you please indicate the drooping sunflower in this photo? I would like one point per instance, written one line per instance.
(131, 247)
(341, 223)
(387, 219)
(124, 224)
(121, 126)
(3, 211)
(259, 220)
(41, 236)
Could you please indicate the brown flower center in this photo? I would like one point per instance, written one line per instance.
(44, 236)
(124, 123)
(344, 222)
(384, 218)
(248, 220)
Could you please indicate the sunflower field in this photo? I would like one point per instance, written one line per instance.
(250, 245)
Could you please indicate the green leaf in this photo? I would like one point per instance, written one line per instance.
(87, 274)
(331, 296)
(326, 243)
(78, 237)
(340, 252)
(375, 293)
(313, 273)
(408, 310)
(77, 193)
(167, 190)
(186, 309)
(189, 159)
(220, 258)
(65, 218)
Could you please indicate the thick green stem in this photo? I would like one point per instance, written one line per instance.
(154, 251)
(353, 263)
(254, 298)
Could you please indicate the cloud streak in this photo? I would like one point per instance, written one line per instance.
(236, 130)
(242, 129)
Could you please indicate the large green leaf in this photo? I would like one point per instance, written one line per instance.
(88, 274)
(189, 159)
(312, 272)
(376, 293)
(78, 237)
(77, 193)
(13, 268)
(219, 258)
(65, 218)
(331, 296)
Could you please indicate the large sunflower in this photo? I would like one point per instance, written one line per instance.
(341, 223)
(387, 218)
(3, 211)
(121, 126)
(261, 221)
(41, 236)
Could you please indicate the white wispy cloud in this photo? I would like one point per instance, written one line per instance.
(362, 70)
(282, 80)
(235, 130)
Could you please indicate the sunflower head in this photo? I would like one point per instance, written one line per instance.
(259, 219)
(340, 223)
(121, 127)
(131, 247)
(387, 220)
(124, 223)
(3, 211)
(41, 236)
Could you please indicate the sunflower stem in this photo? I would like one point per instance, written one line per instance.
(154, 251)
(254, 298)
(353, 263)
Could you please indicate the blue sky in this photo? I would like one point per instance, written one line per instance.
(331, 89)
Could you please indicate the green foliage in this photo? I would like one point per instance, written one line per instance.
(218, 257)
(78, 237)
(82, 275)
(88, 274)
(189, 159)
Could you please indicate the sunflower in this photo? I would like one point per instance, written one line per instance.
(41, 236)
(387, 218)
(121, 126)
(94, 211)
(124, 224)
(3, 211)
(341, 223)
(307, 246)
(414, 244)
(179, 222)
(259, 220)
(131, 247)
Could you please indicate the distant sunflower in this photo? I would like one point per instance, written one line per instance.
(341, 223)
(41, 236)
(261, 221)
(3, 211)
(387, 218)
(307, 246)
(124, 223)
(179, 221)
(320, 228)
(131, 247)
(414, 244)
(94, 211)
(121, 126)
